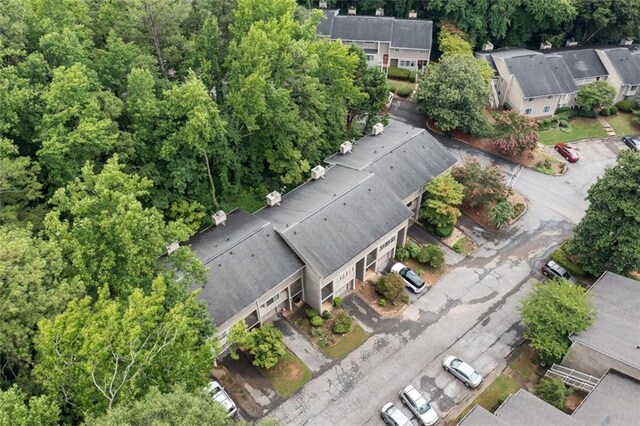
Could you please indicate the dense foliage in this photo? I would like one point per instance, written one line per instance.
(515, 133)
(608, 236)
(443, 195)
(483, 185)
(554, 310)
(553, 391)
(595, 94)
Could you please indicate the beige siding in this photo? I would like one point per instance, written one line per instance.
(614, 79)
(312, 290)
(587, 360)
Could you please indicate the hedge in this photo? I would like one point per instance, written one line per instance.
(399, 73)
(587, 113)
(444, 231)
(561, 258)
(562, 109)
(613, 110)
(625, 106)
(605, 112)
(404, 91)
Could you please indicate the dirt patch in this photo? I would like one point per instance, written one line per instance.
(480, 215)
(529, 160)
(234, 384)
(574, 400)
(370, 296)
(460, 243)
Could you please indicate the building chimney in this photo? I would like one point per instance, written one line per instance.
(273, 198)
(413, 14)
(171, 248)
(322, 4)
(545, 45)
(487, 47)
(317, 172)
(571, 42)
(626, 41)
(380, 11)
(351, 10)
(219, 218)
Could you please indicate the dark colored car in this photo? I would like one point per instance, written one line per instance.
(632, 143)
(552, 270)
(567, 152)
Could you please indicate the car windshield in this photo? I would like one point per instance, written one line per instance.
(566, 276)
(392, 409)
(474, 376)
(423, 406)
(414, 279)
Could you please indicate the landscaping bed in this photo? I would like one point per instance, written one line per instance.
(370, 296)
(334, 345)
(401, 88)
(289, 375)
(480, 215)
(460, 243)
(579, 128)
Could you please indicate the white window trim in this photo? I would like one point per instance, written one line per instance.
(546, 109)
(527, 111)
(531, 99)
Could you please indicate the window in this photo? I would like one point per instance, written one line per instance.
(633, 89)
(370, 58)
(222, 335)
(527, 111)
(273, 299)
(531, 99)
(422, 51)
(386, 243)
(406, 63)
(546, 109)
(397, 50)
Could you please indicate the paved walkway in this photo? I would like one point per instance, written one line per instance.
(606, 125)
(302, 347)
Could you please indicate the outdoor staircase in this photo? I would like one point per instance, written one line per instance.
(573, 378)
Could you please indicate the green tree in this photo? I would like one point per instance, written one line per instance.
(595, 94)
(454, 94)
(554, 310)
(431, 255)
(391, 287)
(482, 185)
(13, 29)
(452, 41)
(372, 82)
(19, 186)
(443, 195)
(64, 48)
(32, 289)
(265, 345)
(501, 214)
(94, 357)
(177, 407)
(16, 409)
(108, 237)
(238, 336)
(208, 56)
(608, 236)
(553, 391)
(515, 133)
(606, 21)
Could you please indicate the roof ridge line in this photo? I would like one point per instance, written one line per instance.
(251, 234)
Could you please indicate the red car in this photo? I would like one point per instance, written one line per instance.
(567, 152)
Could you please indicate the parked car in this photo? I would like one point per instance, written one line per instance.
(220, 396)
(392, 415)
(419, 406)
(632, 143)
(567, 152)
(552, 270)
(412, 280)
(463, 371)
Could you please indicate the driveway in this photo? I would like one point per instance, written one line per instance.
(472, 312)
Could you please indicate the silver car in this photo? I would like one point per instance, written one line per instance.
(463, 371)
(220, 396)
(419, 406)
(392, 415)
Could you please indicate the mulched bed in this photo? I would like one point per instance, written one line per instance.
(481, 216)
(370, 296)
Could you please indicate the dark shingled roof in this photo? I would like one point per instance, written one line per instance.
(335, 234)
(616, 328)
(535, 75)
(245, 258)
(583, 63)
(479, 416)
(401, 33)
(626, 64)
(614, 401)
(562, 74)
(525, 409)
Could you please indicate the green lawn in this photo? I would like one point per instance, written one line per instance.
(623, 124)
(345, 343)
(396, 84)
(581, 128)
(494, 395)
(289, 375)
(523, 364)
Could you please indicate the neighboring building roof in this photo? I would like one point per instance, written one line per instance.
(245, 258)
(614, 402)
(401, 33)
(479, 416)
(583, 63)
(562, 73)
(626, 64)
(535, 75)
(615, 329)
(335, 234)
(525, 409)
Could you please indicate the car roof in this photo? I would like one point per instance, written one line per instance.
(557, 267)
(466, 369)
(399, 417)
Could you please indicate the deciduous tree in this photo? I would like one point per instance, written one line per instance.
(608, 236)
(595, 94)
(482, 185)
(19, 186)
(443, 195)
(554, 310)
(553, 391)
(515, 133)
(17, 409)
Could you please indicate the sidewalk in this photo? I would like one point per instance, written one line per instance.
(606, 125)
(301, 346)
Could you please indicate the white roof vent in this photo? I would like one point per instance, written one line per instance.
(351, 10)
(219, 217)
(413, 14)
(380, 11)
(487, 47)
(345, 147)
(626, 41)
(172, 247)
(377, 129)
(571, 42)
(545, 45)
(323, 4)
(273, 198)
(317, 172)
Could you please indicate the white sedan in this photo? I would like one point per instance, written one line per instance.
(463, 371)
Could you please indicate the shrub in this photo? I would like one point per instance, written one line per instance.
(501, 214)
(553, 391)
(404, 91)
(587, 113)
(444, 231)
(562, 109)
(342, 323)
(573, 113)
(402, 254)
(562, 116)
(318, 332)
(266, 346)
(404, 298)
(432, 255)
(337, 302)
(382, 302)
(604, 112)
(413, 76)
(519, 208)
(482, 185)
(613, 110)
(458, 247)
(316, 321)
(562, 258)
(413, 249)
(326, 314)
(563, 123)
(390, 286)
(507, 106)
(311, 313)
(625, 106)
(399, 73)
